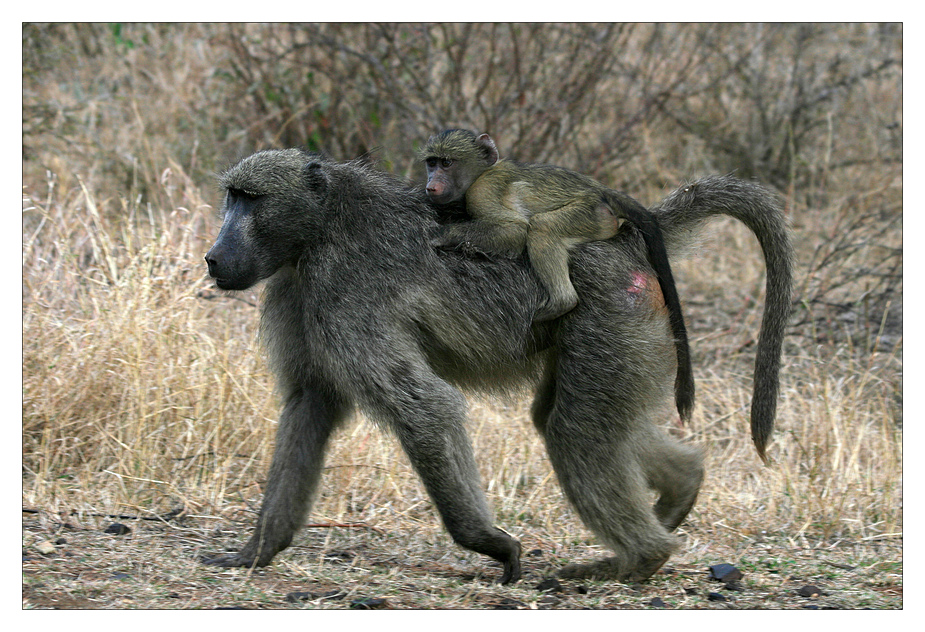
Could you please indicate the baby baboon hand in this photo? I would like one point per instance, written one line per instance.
(440, 237)
(446, 238)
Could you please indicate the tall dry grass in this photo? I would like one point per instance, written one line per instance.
(144, 389)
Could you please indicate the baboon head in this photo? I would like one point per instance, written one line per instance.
(454, 159)
(260, 233)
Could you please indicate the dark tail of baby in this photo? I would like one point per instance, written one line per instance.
(647, 224)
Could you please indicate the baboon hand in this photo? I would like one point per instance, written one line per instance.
(511, 572)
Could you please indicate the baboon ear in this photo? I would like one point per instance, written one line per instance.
(488, 147)
(315, 177)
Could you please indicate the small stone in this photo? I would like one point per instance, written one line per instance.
(369, 603)
(809, 591)
(725, 573)
(45, 548)
(550, 584)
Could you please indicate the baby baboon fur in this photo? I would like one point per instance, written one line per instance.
(547, 211)
(360, 311)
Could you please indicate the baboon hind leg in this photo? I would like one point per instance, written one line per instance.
(675, 471)
(599, 468)
(305, 425)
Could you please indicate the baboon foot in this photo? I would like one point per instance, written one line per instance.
(672, 516)
(233, 560)
(499, 545)
(250, 556)
(613, 568)
(679, 485)
(645, 570)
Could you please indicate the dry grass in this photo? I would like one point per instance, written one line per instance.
(144, 390)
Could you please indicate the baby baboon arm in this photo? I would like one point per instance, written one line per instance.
(495, 229)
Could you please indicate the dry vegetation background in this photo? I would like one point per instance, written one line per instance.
(144, 391)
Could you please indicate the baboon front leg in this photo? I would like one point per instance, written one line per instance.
(304, 428)
(433, 436)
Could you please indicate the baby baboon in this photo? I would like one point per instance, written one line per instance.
(360, 311)
(546, 210)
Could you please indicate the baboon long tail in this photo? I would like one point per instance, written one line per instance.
(682, 213)
(648, 225)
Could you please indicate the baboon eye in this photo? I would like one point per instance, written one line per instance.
(446, 162)
(244, 193)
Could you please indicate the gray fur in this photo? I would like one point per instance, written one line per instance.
(360, 311)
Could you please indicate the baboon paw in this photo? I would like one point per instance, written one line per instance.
(441, 237)
(644, 570)
(613, 568)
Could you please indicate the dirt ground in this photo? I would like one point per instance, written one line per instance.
(156, 566)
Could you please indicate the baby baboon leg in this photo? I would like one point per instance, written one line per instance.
(549, 259)
(304, 428)
(548, 241)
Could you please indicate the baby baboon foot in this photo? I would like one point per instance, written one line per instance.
(552, 309)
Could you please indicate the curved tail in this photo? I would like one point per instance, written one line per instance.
(684, 211)
(648, 225)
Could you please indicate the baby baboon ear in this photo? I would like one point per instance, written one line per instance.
(488, 148)
(315, 178)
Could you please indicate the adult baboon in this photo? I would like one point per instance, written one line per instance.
(545, 210)
(359, 310)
